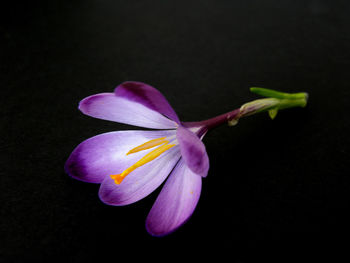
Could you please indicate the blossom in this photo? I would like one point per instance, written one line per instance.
(130, 165)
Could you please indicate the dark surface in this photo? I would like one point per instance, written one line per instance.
(273, 186)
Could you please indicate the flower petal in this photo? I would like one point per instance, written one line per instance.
(140, 182)
(105, 154)
(147, 96)
(193, 151)
(176, 202)
(108, 106)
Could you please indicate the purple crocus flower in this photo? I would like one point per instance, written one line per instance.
(130, 165)
(173, 150)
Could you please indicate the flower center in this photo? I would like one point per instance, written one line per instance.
(163, 146)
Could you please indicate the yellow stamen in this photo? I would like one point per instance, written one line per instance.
(118, 178)
(148, 145)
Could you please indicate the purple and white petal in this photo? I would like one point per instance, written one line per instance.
(193, 151)
(140, 182)
(108, 106)
(148, 96)
(176, 202)
(105, 154)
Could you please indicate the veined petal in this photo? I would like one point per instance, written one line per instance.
(108, 106)
(140, 182)
(148, 96)
(105, 154)
(176, 202)
(193, 151)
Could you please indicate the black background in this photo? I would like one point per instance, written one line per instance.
(273, 186)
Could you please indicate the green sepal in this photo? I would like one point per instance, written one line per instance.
(273, 112)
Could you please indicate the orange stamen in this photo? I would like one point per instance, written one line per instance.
(118, 178)
(148, 145)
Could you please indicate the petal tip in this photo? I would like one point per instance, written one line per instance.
(148, 96)
(107, 196)
(103, 198)
(85, 104)
(166, 232)
(154, 233)
(77, 172)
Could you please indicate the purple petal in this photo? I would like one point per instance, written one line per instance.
(147, 96)
(140, 182)
(176, 202)
(108, 106)
(193, 151)
(105, 154)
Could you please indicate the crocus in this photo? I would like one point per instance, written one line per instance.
(130, 165)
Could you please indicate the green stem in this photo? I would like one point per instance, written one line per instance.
(277, 94)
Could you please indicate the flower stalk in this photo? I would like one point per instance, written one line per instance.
(274, 101)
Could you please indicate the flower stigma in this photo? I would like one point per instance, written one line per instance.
(163, 146)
